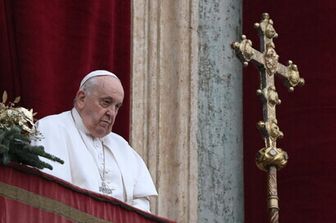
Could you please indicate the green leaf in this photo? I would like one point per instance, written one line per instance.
(2, 136)
(3, 149)
(5, 158)
(15, 147)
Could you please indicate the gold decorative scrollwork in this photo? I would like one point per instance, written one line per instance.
(270, 31)
(270, 129)
(269, 95)
(272, 96)
(266, 26)
(244, 49)
(293, 76)
(271, 156)
(271, 59)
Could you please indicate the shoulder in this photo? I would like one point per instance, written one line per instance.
(54, 122)
(116, 137)
(56, 119)
(119, 143)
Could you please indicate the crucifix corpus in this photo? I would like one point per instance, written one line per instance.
(270, 158)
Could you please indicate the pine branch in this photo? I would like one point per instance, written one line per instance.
(16, 129)
(15, 147)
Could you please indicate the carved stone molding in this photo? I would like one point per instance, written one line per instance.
(163, 101)
(186, 106)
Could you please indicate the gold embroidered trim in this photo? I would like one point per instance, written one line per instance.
(47, 204)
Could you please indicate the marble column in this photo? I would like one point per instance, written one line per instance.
(186, 109)
(219, 132)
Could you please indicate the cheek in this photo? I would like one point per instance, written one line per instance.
(93, 115)
(98, 116)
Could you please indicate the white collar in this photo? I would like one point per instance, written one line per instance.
(79, 122)
(81, 127)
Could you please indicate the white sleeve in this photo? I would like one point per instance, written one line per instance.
(54, 143)
(144, 185)
(141, 203)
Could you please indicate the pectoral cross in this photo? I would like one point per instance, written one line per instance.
(105, 189)
(270, 158)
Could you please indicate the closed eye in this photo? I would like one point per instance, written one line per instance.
(118, 106)
(105, 103)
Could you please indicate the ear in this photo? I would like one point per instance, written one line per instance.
(80, 99)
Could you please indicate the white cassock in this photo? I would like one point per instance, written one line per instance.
(105, 165)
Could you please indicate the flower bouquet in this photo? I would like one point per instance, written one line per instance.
(17, 129)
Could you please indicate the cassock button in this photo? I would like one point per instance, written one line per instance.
(96, 144)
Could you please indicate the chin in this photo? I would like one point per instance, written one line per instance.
(102, 133)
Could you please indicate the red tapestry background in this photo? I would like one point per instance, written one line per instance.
(307, 116)
(47, 47)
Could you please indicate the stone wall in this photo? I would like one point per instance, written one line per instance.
(187, 106)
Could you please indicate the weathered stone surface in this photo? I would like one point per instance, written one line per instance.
(187, 106)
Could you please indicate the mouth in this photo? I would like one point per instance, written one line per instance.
(105, 123)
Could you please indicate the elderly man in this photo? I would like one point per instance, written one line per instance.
(95, 158)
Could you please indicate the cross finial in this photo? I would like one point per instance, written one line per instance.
(267, 61)
(270, 158)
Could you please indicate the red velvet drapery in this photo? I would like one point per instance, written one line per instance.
(306, 116)
(46, 47)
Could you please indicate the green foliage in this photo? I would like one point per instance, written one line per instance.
(15, 147)
(16, 129)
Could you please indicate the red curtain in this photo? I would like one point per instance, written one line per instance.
(46, 47)
(306, 185)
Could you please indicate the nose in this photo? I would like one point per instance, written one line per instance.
(112, 110)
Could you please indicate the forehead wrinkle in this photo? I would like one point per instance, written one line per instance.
(107, 87)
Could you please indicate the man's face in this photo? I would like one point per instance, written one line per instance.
(99, 106)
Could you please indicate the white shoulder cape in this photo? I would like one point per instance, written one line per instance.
(62, 139)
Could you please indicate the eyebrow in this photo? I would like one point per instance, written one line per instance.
(109, 98)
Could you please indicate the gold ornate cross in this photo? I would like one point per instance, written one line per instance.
(270, 158)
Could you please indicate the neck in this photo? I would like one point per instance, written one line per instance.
(79, 122)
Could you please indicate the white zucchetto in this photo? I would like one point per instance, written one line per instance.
(97, 73)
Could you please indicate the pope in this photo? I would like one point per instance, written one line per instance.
(94, 157)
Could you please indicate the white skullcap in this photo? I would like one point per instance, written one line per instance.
(97, 73)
